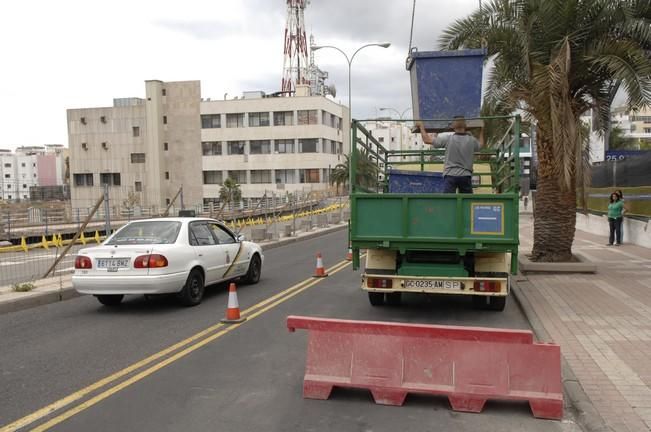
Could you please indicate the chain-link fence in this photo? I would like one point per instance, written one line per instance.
(262, 220)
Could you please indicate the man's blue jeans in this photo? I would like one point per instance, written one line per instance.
(463, 183)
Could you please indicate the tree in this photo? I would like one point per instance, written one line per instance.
(230, 192)
(555, 60)
(367, 171)
(618, 141)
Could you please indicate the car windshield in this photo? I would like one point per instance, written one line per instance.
(149, 232)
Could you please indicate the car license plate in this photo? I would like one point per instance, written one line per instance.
(112, 264)
(432, 284)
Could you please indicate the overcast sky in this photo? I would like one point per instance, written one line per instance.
(79, 54)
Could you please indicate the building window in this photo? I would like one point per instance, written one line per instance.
(283, 118)
(167, 201)
(258, 119)
(136, 131)
(138, 186)
(285, 146)
(164, 119)
(239, 176)
(260, 176)
(211, 121)
(285, 176)
(647, 130)
(309, 175)
(340, 148)
(102, 119)
(212, 177)
(236, 147)
(24, 186)
(83, 179)
(235, 120)
(7, 175)
(381, 139)
(307, 145)
(164, 92)
(84, 146)
(137, 158)
(307, 117)
(82, 120)
(165, 146)
(211, 148)
(23, 165)
(7, 165)
(260, 147)
(167, 175)
(326, 118)
(111, 179)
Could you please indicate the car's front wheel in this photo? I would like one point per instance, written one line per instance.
(255, 270)
(110, 299)
(192, 292)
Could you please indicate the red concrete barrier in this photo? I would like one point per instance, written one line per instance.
(469, 365)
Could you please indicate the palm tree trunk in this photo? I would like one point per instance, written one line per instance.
(554, 213)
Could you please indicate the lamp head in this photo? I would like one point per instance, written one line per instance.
(385, 45)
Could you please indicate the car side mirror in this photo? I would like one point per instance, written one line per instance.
(240, 237)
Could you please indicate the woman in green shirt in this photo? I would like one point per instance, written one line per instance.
(615, 211)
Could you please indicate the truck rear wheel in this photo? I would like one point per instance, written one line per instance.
(489, 303)
(376, 298)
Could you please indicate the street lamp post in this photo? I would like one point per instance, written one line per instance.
(350, 62)
(401, 115)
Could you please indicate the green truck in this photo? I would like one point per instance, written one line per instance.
(417, 240)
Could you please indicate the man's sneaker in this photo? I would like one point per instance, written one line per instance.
(609, 244)
(618, 244)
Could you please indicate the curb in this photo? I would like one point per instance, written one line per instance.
(66, 293)
(588, 418)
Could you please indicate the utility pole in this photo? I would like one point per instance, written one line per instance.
(107, 210)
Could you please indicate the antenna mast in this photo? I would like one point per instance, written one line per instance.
(295, 64)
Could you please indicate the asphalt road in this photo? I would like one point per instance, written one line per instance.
(242, 378)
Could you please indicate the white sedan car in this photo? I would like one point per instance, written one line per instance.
(163, 256)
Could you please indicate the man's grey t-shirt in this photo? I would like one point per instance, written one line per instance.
(459, 153)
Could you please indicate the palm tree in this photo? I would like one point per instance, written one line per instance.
(618, 141)
(366, 173)
(230, 192)
(555, 60)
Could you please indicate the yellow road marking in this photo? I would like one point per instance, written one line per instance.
(47, 410)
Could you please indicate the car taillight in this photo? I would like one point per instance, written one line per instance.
(150, 261)
(380, 283)
(487, 286)
(83, 262)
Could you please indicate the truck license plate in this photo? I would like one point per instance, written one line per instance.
(432, 284)
(112, 264)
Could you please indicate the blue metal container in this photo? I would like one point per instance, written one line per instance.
(445, 84)
(415, 182)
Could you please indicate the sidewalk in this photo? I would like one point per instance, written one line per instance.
(603, 323)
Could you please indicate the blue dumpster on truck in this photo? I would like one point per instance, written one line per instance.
(445, 84)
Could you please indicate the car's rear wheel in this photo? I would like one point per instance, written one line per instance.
(255, 270)
(110, 299)
(192, 292)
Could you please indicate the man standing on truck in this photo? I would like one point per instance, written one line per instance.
(460, 148)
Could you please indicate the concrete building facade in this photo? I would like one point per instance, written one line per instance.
(31, 167)
(146, 149)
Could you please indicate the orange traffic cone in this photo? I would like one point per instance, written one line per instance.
(233, 310)
(320, 270)
(349, 255)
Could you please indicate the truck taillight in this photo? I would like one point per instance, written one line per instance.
(150, 261)
(379, 283)
(487, 286)
(83, 262)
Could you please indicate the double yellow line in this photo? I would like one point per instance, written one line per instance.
(185, 346)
